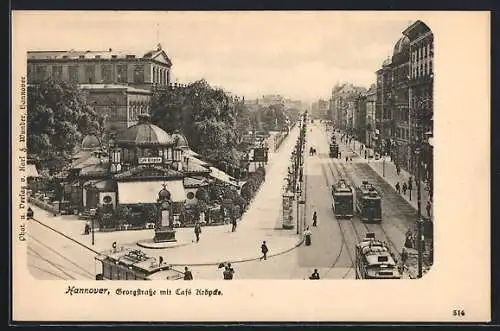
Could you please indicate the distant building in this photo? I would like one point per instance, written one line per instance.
(360, 118)
(343, 105)
(371, 100)
(383, 116)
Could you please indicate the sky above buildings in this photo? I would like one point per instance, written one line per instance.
(300, 55)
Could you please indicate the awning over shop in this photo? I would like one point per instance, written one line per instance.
(147, 191)
(31, 171)
(222, 176)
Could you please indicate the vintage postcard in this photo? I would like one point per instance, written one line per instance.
(333, 165)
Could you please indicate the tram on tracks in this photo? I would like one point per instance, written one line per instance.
(334, 150)
(133, 264)
(374, 260)
(343, 200)
(368, 203)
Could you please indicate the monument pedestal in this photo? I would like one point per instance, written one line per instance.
(165, 235)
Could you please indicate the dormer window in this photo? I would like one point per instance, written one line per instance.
(130, 56)
(81, 57)
(114, 56)
(98, 57)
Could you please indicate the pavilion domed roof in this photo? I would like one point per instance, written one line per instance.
(144, 133)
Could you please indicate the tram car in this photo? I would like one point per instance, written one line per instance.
(343, 200)
(368, 203)
(374, 260)
(334, 150)
(134, 265)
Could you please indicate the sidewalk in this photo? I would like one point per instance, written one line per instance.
(387, 170)
(217, 244)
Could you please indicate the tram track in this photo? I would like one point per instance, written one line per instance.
(81, 271)
(344, 244)
(377, 229)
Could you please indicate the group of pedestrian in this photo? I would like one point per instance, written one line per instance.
(405, 186)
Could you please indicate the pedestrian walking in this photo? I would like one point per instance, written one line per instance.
(398, 169)
(405, 188)
(408, 240)
(347, 159)
(410, 182)
(87, 227)
(307, 236)
(197, 231)
(428, 208)
(340, 155)
(187, 274)
(227, 274)
(314, 275)
(264, 250)
(30, 213)
(234, 224)
(398, 188)
(315, 219)
(366, 154)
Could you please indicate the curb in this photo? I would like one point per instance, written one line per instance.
(167, 247)
(300, 242)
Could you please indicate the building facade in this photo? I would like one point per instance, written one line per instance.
(371, 101)
(142, 71)
(360, 118)
(421, 85)
(343, 105)
(401, 151)
(117, 84)
(383, 116)
(121, 105)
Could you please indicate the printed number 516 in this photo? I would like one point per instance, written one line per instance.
(458, 312)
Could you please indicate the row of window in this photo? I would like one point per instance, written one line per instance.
(402, 133)
(107, 73)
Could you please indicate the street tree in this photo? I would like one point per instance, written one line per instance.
(58, 118)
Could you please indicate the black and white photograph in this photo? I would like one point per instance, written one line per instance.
(244, 146)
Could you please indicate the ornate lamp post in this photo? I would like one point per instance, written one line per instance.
(164, 230)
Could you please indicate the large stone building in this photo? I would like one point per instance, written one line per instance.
(142, 71)
(383, 115)
(118, 84)
(121, 105)
(401, 151)
(421, 84)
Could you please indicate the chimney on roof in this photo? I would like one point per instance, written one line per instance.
(110, 50)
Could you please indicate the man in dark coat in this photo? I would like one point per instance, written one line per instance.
(315, 275)
(197, 231)
(187, 274)
(264, 250)
(315, 219)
